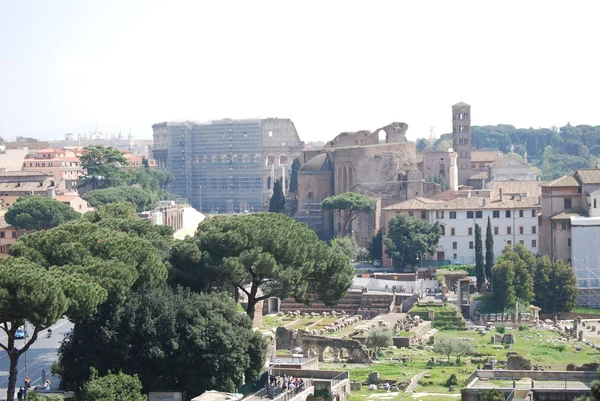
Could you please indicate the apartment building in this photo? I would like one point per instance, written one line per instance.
(63, 164)
(512, 206)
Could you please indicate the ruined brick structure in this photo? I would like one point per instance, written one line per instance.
(381, 164)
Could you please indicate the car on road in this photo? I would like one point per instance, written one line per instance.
(21, 333)
(377, 263)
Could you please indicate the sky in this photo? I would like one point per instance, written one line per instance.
(330, 66)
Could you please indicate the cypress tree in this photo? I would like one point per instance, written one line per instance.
(489, 251)
(277, 201)
(479, 264)
(294, 176)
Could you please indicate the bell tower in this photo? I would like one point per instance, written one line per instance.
(461, 140)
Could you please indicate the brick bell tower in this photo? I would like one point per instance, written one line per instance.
(461, 140)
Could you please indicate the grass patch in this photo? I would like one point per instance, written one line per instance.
(588, 310)
(439, 375)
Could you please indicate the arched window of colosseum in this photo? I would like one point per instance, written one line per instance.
(268, 182)
(246, 158)
(442, 170)
(270, 160)
(283, 160)
(382, 136)
(345, 180)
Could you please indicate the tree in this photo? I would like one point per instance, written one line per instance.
(344, 246)
(437, 179)
(143, 199)
(479, 263)
(379, 338)
(112, 387)
(409, 237)
(294, 175)
(489, 251)
(461, 348)
(444, 346)
(261, 255)
(167, 337)
(376, 246)
(32, 294)
(555, 286)
(347, 206)
(277, 201)
(39, 213)
(503, 277)
(492, 395)
(103, 167)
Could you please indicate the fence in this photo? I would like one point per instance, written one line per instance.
(339, 379)
(277, 394)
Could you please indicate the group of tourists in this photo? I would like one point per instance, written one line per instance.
(22, 393)
(279, 384)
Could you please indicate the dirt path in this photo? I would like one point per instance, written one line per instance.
(415, 380)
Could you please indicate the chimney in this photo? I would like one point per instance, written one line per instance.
(500, 192)
(484, 202)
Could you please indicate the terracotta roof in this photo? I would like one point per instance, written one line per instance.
(515, 194)
(66, 198)
(564, 181)
(30, 186)
(482, 175)
(24, 174)
(51, 150)
(511, 157)
(567, 214)
(588, 176)
(486, 156)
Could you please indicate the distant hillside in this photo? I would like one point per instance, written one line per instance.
(556, 151)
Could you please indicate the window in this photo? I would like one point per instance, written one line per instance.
(2, 234)
(595, 203)
(569, 242)
(455, 245)
(533, 243)
(454, 256)
(470, 244)
(423, 214)
(410, 213)
(470, 230)
(522, 242)
(439, 214)
(509, 242)
(521, 213)
(453, 215)
(283, 160)
(521, 230)
(479, 214)
(443, 230)
(533, 229)
(568, 204)
(533, 213)
(496, 230)
(563, 225)
(469, 215)
(509, 230)
(508, 214)
(14, 234)
(452, 231)
(496, 214)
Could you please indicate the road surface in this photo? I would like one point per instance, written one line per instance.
(40, 356)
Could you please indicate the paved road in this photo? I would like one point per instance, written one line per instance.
(40, 356)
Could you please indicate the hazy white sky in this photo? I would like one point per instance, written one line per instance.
(330, 66)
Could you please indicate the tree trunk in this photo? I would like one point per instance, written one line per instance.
(12, 375)
(250, 309)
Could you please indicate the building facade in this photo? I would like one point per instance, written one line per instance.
(63, 164)
(226, 166)
(512, 208)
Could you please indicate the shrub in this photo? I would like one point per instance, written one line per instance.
(561, 347)
(523, 327)
(452, 380)
(500, 329)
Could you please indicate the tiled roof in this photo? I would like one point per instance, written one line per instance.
(567, 214)
(24, 174)
(588, 176)
(25, 186)
(66, 198)
(482, 175)
(564, 181)
(486, 156)
(515, 194)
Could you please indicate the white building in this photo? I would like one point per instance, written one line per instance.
(512, 207)
(512, 168)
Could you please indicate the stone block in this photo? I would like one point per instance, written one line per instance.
(373, 377)
(355, 386)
